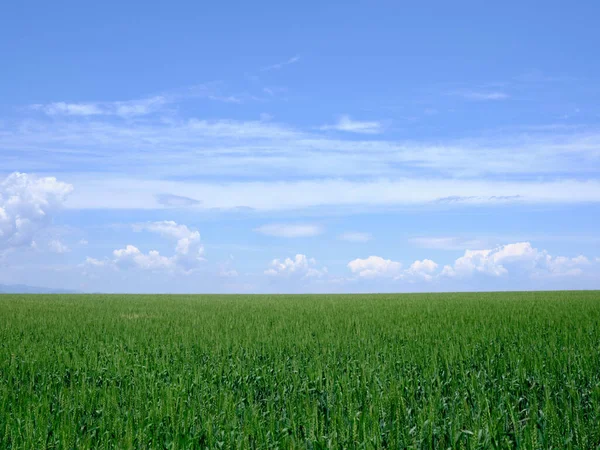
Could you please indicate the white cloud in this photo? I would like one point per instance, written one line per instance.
(300, 266)
(56, 246)
(378, 267)
(228, 273)
(132, 256)
(175, 201)
(169, 229)
(83, 242)
(189, 252)
(481, 95)
(557, 166)
(345, 123)
(95, 262)
(71, 109)
(421, 270)
(278, 66)
(354, 236)
(27, 204)
(564, 266)
(259, 149)
(375, 267)
(137, 107)
(520, 258)
(426, 265)
(124, 109)
(107, 192)
(447, 243)
(290, 230)
(490, 261)
(225, 270)
(273, 91)
(226, 98)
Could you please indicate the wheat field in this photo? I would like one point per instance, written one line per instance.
(484, 370)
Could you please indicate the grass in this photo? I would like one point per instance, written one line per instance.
(493, 370)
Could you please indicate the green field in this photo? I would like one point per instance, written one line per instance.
(487, 370)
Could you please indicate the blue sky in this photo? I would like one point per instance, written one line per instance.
(271, 147)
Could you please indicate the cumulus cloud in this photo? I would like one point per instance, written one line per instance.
(378, 267)
(299, 266)
(95, 262)
(93, 267)
(345, 123)
(290, 230)
(153, 260)
(168, 228)
(56, 246)
(421, 270)
(189, 252)
(28, 204)
(188, 246)
(374, 267)
(516, 259)
(561, 265)
(519, 258)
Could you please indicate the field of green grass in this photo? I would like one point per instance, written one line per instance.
(491, 370)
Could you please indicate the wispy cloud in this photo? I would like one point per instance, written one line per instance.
(354, 236)
(142, 106)
(70, 109)
(290, 230)
(449, 243)
(269, 165)
(104, 192)
(345, 123)
(226, 99)
(124, 109)
(280, 65)
(274, 90)
(477, 95)
(175, 201)
(539, 77)
(265, 150)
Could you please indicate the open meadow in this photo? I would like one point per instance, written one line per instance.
(485, 370)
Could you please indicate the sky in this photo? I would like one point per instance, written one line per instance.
(271, 147)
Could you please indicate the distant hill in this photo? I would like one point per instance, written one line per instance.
(24, 289)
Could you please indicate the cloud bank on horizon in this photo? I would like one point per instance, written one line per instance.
(303, 168)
